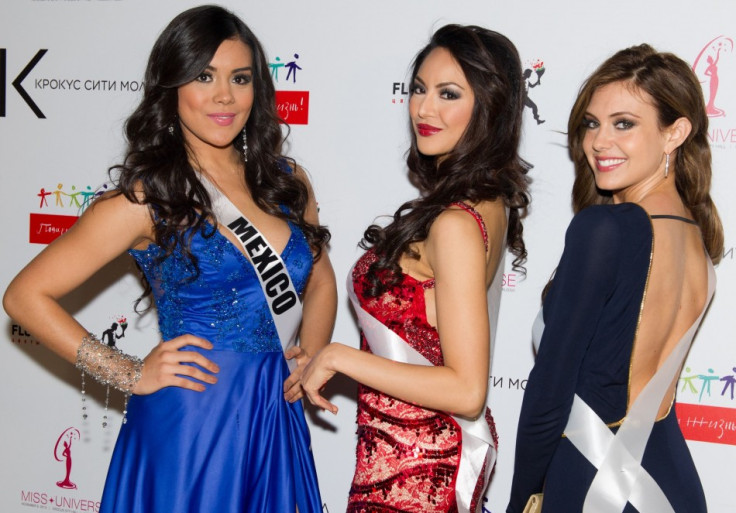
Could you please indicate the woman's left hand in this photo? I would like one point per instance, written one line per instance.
(316, 375)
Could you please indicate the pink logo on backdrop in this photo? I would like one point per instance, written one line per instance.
(63, 452)
(706, 69)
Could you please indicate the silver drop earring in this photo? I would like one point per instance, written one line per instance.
(245, 146)
(666, 164)
(171, 128)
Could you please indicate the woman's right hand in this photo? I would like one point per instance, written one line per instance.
(317, 373)
(167, 366)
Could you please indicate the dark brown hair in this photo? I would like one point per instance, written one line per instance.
(484, 165)
(157, 160)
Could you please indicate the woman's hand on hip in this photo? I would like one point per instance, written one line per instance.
(167, 366)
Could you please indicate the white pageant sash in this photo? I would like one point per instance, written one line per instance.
(477, 442)
(620, 477)
(278, 287)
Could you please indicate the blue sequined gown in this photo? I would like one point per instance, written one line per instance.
(238, 446)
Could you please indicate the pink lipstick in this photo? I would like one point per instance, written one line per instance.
(605, 164)
(222, 118)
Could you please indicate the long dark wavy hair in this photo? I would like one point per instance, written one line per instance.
(484, 164)
(675, 93)
(157, 161)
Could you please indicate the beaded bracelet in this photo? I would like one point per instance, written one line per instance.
(111, 367)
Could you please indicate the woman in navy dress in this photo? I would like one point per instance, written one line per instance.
(214, 422)
(597, 430)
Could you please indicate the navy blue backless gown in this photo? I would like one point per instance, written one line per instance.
(591, 316)
(238, 446)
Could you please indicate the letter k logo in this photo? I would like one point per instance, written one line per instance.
(17, 83)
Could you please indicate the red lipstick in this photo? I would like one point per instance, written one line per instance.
(426, 130)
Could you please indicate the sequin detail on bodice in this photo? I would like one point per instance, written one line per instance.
(224, 302)
(407, 456)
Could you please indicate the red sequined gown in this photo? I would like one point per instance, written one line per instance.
(407, 456)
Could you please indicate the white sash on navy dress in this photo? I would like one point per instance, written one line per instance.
(620, 477)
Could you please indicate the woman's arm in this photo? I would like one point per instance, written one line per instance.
(319, 307)
(110, 226)
(456, 254)
(583, 282)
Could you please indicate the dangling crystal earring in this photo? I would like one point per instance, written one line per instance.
(245, 146)
(171, 128)
(666, 164)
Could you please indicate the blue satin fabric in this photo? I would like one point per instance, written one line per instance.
(238, 446)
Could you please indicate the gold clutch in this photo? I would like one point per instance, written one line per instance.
(534, 504)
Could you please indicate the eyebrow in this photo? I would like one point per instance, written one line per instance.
(236, 70)
(624, 113)
(441, 84)
(614, 114)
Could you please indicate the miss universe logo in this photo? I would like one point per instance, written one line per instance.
(63, 500)
(706, 69)
(63, 453)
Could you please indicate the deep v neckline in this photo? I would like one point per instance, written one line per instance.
(237, 250)
(207, 182)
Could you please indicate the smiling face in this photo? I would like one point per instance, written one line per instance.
(441, 103)
(214, 107)
(623, 142)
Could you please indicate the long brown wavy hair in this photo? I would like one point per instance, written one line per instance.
(484, 165)
(676, 93)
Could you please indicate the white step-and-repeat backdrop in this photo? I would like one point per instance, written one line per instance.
(71, 71)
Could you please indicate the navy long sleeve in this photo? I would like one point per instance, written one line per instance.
(585, 347)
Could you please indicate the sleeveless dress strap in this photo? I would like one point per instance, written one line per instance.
(478, 218)
(428, 284)
(677, 218)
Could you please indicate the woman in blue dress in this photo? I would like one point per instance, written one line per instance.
(214, 422)
(597, 430)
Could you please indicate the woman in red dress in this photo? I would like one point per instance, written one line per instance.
(425, 287)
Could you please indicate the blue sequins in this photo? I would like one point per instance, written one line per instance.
(224, 303)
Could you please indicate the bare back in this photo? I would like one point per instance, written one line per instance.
(675, 295)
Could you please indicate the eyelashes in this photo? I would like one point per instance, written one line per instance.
(620, 124)
(589, 123)
(444, 93)
(417, 88)
(449, 94)
(243, 79)
(240, 78)
(624, 124)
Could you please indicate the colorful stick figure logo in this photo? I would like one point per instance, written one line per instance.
(63, 452)
(706, 69)
(291, 68)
